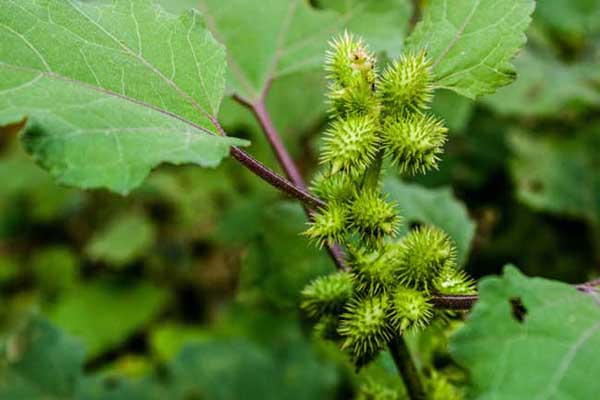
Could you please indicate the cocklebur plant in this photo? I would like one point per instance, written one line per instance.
(388, 289)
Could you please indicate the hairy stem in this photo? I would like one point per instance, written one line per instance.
(261, 114)
(454, 302)
(408, 370)
(276, 180)
(283, 156)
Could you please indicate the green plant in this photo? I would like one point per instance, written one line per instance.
(105, 92)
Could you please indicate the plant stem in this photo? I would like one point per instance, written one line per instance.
(371, 177)
(276, 180)
(283, 156)
(408, 370)
(259, 110)
(454, 302)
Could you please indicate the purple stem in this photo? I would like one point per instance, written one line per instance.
(283, 156)
(259, 110)
(276, 180)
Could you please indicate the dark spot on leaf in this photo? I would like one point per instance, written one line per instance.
(518, 309)
(535, 186)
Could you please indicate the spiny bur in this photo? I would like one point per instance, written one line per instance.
(351, 74)
(327, 295)
(372, 274)
(349, 61)
(339, 188)
(364, 326)
(373, 217)
(421, 255)
(411, 310)
(451, 280)
(350, 145)
(406, 85)
(387, 290)
(414, 142)
(328, 226)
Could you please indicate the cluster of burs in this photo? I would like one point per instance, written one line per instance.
(388, 287)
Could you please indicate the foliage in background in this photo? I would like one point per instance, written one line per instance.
(206, 287)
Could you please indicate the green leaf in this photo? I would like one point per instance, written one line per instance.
(437, 207)
(111, 90)
(471, 42)
(382, 23)
(125, 238)
(550, 352)
(559, 175)
(43, 199)
(267, 42)
(39, 363)
(103, 314)
(546, 88)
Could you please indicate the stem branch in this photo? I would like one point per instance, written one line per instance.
(297, 187)
(276, 180)
(408, 370)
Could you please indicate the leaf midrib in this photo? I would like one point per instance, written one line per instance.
(54, 76)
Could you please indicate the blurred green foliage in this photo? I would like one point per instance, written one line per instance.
(188, 288)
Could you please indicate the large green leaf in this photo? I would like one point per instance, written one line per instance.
(437, 207)
(544, 348)
(270, 40)
(39, 363)
(471, 42)
(111, 90)
(559, 175)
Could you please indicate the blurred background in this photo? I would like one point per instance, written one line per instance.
(192, 282)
